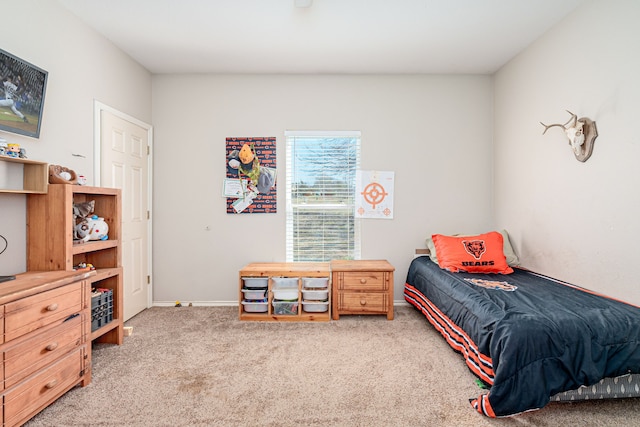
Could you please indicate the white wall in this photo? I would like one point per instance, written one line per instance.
(83, 66)
(572, 220)
(575, 221)
(433, 131)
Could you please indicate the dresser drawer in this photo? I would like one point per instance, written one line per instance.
(31, 313)
(24, 400)
(41, 348)
(362, 281)
(363, 302)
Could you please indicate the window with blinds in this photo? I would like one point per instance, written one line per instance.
(321, 182)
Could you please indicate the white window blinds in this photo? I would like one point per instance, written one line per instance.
(321, 173)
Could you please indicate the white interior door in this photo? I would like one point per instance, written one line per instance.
(124, 163)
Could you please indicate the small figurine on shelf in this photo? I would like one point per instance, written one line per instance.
(83, 266)
(13, 150)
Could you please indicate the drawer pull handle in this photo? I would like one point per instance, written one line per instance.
(52, 346)
(363, 280)
(52, 307)
(363, 302)
(51, 384)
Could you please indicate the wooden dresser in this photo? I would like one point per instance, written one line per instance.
(45, 319)
(362, 287)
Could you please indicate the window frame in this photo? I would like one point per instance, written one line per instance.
(292, 208)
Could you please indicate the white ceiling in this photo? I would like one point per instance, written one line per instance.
(331, 36)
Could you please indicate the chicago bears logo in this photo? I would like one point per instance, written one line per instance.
(474, 248)
(493, 284)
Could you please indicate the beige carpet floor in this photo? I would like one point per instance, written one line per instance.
(201, 366)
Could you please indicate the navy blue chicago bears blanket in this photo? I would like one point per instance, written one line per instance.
(525, 335)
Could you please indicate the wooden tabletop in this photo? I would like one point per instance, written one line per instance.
(285, 268)
(361, 265)
(34, 282)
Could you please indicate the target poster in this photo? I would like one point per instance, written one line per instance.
(374, 194)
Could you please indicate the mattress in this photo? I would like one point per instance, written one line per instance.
(527, 336)
(608, 388)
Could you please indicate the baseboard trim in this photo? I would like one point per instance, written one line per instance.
(196, 303)
(396, 303)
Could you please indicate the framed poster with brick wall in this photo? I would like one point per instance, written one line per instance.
(250, 183)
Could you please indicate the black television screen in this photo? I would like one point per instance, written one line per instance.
(22, 90)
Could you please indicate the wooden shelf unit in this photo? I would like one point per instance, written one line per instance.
(50, 244)
(35, 175)
(296, 270)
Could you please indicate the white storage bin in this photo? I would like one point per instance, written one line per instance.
(284, 282)
(315, 282)
(255, 307)
(254, 294)
(286, 294)
(315, 306)
(255, 282)
(315, 294)
(285, 307)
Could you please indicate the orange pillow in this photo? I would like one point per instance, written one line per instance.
(474, 254)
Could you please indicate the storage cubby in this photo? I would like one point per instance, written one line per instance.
(23, 175)
(111, 332)
(50, 244)
(277, 292)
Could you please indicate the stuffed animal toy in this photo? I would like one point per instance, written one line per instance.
(80, 212)
(92, 228)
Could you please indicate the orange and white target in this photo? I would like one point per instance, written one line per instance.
(374, 194)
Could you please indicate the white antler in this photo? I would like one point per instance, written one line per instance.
(564, 127)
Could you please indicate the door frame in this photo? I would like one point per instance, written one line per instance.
(98, 108)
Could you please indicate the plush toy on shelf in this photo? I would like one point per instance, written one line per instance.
(92, 228)
(80, 212)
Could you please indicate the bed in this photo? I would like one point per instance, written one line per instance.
(529, 338)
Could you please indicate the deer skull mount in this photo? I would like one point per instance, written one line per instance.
(581, 133)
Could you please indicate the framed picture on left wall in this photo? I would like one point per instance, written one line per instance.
(23, 86)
